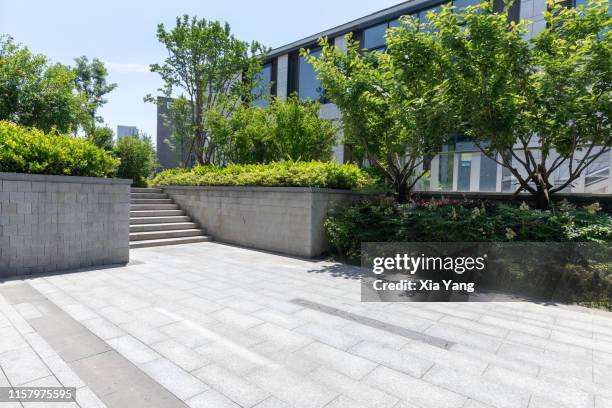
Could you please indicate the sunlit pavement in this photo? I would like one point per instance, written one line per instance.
(211, 325)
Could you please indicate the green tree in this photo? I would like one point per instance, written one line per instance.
(102, 137)
(215, 70)
(90, 80)
(391, 108)
(289, 129)
(35, 92)
(533, 106)
(137, 156)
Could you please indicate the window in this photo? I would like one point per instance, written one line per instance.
(488, 173)
(263, 83)
(446, 165)
(461, 4)
(308, 85)
(374, 37)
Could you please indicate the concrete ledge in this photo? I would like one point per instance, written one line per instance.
(288, 220)
(62, 179)
(56, 223)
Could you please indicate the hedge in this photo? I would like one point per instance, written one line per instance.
(281, 174)
(454, 221)
(29, 150)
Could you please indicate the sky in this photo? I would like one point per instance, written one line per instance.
(121, 33)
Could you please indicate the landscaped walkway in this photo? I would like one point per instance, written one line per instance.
(211, 325)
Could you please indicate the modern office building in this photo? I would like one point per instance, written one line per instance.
(123, 131)
(167, 158)
(458, 167)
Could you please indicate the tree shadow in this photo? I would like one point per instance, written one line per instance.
(339, 271)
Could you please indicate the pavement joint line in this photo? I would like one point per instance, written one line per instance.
(374, 323)
(234, 347)
(141, 383)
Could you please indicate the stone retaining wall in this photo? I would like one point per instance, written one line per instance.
(54, 223)
(288, 220)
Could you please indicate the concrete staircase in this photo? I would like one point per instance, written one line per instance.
(156, 221)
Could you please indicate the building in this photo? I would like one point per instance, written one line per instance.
(123, 131)
(460, 166)
(167, 158)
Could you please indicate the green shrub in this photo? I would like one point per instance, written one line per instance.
(282, 174)
(137, 157)
(432, 221)
(29, 150)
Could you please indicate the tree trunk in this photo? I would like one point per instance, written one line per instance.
(402, 193)
(199, 133)
(542, 199)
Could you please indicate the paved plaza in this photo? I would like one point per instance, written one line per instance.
(212, 325)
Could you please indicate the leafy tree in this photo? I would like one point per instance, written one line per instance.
(391, 110)
(284, 130)
(35, 92)
(90, 79)
(537, 106)
(214, 69)
(102, 137)
(137, 156)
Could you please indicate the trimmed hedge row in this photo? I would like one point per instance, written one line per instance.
(282, 174)
(29, 150)
(454, 221)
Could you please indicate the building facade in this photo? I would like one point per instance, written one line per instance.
(460, 166)
(123, 131)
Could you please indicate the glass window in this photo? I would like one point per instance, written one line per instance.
(423, 13)
(488, 174)
(309, 86)
(446, 164)
(263, 81)
(464, 171)
(460, 4)
(596, 173)
(374, 37)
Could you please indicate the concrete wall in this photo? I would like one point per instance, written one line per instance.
(288, 220)
(54, 223)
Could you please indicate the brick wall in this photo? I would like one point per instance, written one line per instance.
(54, 223)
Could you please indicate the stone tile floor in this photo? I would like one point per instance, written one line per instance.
(211, 325)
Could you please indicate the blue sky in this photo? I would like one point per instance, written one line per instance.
(122, 34)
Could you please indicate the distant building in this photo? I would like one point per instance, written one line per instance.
(123, 131)
(166, 157)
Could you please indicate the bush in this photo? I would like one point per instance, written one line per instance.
(29, 150)
(137, 157)
(282, 174)
(289, 129)
(435, 221)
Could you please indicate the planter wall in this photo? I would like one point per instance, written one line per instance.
(54, 223)
(288, 220)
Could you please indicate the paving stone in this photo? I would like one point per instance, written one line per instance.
(349, 364)
(87, 399)
(442, 357)
(278, 318)
(236, 319)
(293, 389)
(22, 365)
(282, 338)
(344, 402)
(392, 358)
(174, 379)
(478, 388)
(272, 402)
(209, 399)
(103, 328)
(224, 358)
(366, 395)
(413, 390)
(232, 386)
(133, 349)
(328, 335)
(181, 355)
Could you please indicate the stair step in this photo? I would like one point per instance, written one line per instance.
(139, 236)
(158, 220)
(151, 201)
(136, 207)
(146, 190)
(170, 241)
(148, 195)
(155, 213)
(163, 227)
